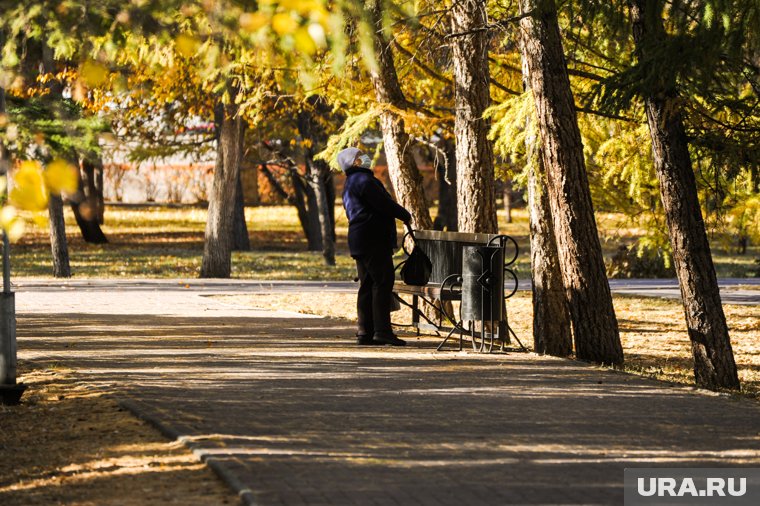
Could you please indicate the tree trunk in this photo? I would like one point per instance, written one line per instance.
(99, 189)
(474, 154)
(714, 365)
(551, 315)
(319, 176)
(86, 205)
(319, 169)
(330, 194)
(405, 177)
(58, 244)
(274, 183)
(240, 239)
(217, 248)
(580, 254)
(303, 198)
(312, 210)
(446, 219)
(92, 186)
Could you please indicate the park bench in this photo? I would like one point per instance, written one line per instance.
(451, 255)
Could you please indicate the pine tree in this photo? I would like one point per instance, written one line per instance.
(474, 154)
(593, 317)
(714, 365)
(405, 177)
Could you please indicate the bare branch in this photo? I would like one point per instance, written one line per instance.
(594, 112)
(501, 24)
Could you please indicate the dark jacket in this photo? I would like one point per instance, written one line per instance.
(371, 214)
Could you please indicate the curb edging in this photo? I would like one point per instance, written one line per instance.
(244, 493)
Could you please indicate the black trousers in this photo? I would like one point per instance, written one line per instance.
(373, 304)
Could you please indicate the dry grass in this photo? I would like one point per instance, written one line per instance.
(67, 444)
(168, 243)
(159, 242)
(653, 331)
(654, 338)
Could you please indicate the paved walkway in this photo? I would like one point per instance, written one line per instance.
(733, 290)
(289, 411)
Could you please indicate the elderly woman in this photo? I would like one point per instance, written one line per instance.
(372, 240)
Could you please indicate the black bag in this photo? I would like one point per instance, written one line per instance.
(416, 269)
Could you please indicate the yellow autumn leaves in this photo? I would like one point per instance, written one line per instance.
(93, 73)
(30, 192)
(296, 24)
(186, 45)
(299, 24)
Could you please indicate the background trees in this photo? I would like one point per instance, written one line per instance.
(580, 255)
(405, 176)
(474, 154)
(301, 80)
(682, 66)
(713, 358)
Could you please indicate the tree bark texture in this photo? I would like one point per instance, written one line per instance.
(86, 205)
(318, 176)
(58, 245)
(474, 153)
(714, 365)
(330, 195)
(217, 248)
(99, 192)
(594, 323)
(92, 187)
(551, 315)
(240, 239)
(312, 210)
(305, 202)
(403, 171)
(446, 168)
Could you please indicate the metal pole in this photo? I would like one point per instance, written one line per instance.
(7, 324)
(6, 264)
(10, 391)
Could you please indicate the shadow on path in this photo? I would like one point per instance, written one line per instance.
(292, 410)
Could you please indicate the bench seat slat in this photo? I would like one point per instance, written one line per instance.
(431, 291)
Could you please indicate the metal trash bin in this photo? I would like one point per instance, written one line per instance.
(482, 283)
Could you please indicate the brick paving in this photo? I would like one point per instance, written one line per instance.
(286, 406)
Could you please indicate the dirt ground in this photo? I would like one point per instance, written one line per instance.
(66, 444)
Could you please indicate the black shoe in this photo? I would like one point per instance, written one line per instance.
(366, 341)
(391, 339)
